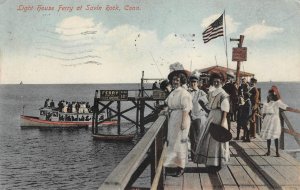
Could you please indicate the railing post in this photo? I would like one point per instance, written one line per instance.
(282, 131)
(160, 146)
(153, 154)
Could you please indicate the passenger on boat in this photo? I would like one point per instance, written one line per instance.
(69, 107)
(271, 127)
(52, 104)
(74, 107)
(46, 104)
(211, 152)
(77, 106)
(179, 103)
(65, 109)
(87, 105)
(48, 116)
(198, 114)
(61, 118)
(60, 106)
(255, 105)
(82, 118)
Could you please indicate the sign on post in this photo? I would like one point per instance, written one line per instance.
(111, 95)
(239, 54)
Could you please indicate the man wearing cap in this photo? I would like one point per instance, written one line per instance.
(198, 114)
(243, 87)
(254, 98)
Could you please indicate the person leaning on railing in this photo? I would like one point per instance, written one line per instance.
(271, 128)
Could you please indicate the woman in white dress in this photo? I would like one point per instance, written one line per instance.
(209, 151)
(179, 104)
(271, 128)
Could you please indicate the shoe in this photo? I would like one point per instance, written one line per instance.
(277, 154)
(242, 137)
(179, 172)
(237, 138)
(267, 154)
(246, 140)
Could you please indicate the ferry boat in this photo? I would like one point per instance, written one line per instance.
(52, 118)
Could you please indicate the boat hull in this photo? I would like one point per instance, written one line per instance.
(106, 137)
(30, 121)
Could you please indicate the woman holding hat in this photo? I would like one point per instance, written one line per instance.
(179, 103)
(210, 151)
(271, 128)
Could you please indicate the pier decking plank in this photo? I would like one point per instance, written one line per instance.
(248, 168)
(192, 181)
(226, 177)
(241, 176)
(210, 181)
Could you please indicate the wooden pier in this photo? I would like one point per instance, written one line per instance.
(248, 168)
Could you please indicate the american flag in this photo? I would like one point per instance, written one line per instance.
(214, 30)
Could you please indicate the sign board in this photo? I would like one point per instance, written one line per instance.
(159, 95)
(110, 95)
(239, 54)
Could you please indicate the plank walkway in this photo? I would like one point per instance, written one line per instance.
(247, 169)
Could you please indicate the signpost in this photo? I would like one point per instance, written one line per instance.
(239, 54)
(113, 95)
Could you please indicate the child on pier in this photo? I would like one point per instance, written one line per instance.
(271, 128)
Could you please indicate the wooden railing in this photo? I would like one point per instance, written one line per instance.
(147, 152)
(290, 130)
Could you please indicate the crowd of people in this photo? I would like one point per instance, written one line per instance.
(194, 111)
(69, 107)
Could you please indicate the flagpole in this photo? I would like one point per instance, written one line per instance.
(225, 39)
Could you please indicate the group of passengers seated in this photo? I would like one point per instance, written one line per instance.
(69, 107)
(73, 118)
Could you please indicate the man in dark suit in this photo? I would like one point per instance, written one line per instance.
(254, 98)
(231, 90)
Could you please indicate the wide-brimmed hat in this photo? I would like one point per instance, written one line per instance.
(177, 72)
(219, 133)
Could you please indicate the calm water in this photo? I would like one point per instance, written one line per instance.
(69, 159)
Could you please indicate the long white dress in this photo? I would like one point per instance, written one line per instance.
(271, 128)
(209, 151)
(179, 100)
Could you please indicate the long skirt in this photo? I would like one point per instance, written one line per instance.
(177, 147)
(209, 151)
(196, 132)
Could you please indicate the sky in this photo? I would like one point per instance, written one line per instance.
(74, 41)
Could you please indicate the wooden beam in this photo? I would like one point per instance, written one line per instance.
(289, 125)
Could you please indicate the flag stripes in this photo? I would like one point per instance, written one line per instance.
(214, 30)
